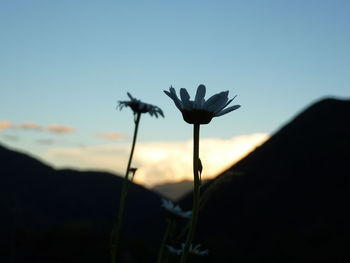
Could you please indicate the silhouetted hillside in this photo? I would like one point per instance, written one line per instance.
(289, 199)
(52, 216)
(174, 191)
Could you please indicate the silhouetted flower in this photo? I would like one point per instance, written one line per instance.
(199, 110)
(140, 107)
(194, 250)
(175, 210)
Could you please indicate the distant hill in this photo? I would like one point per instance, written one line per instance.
(287, 201)
(174, 191)
(53, 214)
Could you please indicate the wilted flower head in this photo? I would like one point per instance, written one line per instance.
(175, 211)
(194, 250)
(140, 107)
(199, 110)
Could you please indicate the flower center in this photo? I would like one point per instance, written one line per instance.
(137, 107)
(197, 116)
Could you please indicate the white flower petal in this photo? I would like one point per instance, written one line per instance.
(129, 95)
(199, 99)
(159, 110)
(216, 101)
(174, 250)
(201, 111)
(173, 96)
(175, 209)
(222, 104)
(229, 109)
(185, 99)
(223, 107)
(227, 103)
(140, 107)
(203, 253)
(187, 214)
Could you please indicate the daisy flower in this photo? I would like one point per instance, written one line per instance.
(199, 110)
(175, 210)
(138, 106)
(193, 250)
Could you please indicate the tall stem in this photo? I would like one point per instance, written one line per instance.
(168, 230)
(115, 235)
(196, 193)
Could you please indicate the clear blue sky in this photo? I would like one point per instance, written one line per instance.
(69, 62)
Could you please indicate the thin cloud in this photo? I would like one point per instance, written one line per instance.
(5, 125)
(111, 136)
(30, 126)
(12, 138)
(159, 162)
(60, 129)
(45, 141)
(54, 128)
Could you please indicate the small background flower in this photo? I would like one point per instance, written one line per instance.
(194, 250)
(140, 107)
(175, 210)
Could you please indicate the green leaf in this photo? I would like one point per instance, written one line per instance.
(200, 168)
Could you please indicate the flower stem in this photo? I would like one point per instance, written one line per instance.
(168, 230)
(196, 193)
(115, 235)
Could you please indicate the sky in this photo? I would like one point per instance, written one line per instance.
(64, 65)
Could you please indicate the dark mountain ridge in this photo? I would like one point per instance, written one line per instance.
(174, 190)
(34, 198)
(287, 200)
